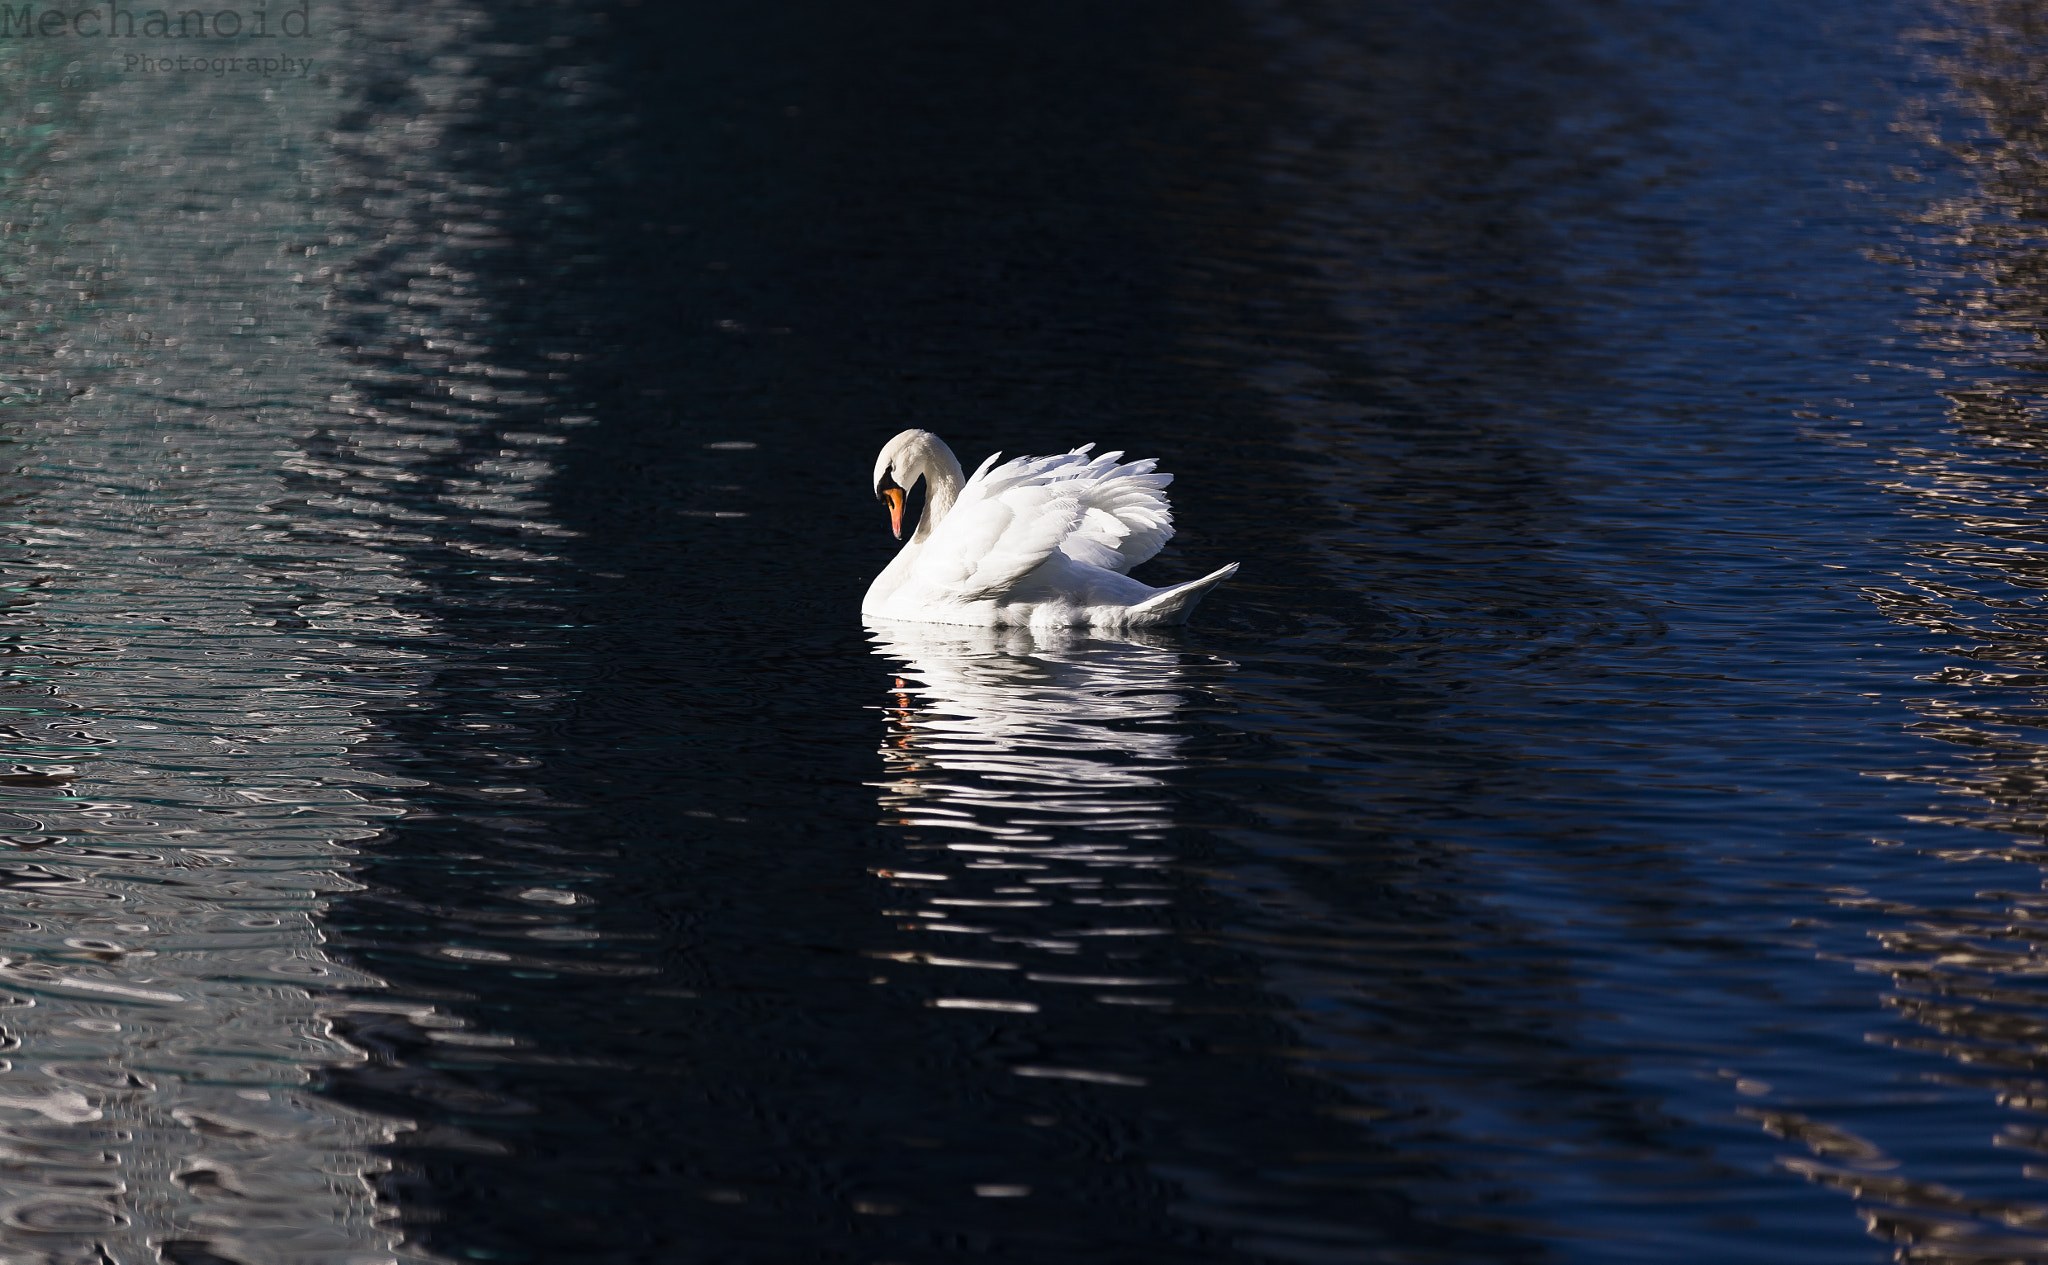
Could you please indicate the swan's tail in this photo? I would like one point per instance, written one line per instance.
(1174, 605)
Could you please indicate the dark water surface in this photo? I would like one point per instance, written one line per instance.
(453, 810)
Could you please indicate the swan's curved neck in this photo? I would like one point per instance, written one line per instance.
(943, 480)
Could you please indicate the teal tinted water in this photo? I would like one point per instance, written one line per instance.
(197, 625)
(455, 810)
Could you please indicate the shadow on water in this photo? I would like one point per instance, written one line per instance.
(748, 243)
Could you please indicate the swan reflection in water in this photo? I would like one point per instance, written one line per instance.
(1010, 733)
(1027, 771)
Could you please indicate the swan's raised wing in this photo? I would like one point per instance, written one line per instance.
(1126, 519)
(1011, 518)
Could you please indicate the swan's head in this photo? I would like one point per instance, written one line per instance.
(914, 455)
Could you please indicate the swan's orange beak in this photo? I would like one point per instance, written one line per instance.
(894, 496)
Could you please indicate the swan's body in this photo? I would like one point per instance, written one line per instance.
(1038, 542)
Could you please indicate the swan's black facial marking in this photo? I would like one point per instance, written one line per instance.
(894, 497)
(897, 498)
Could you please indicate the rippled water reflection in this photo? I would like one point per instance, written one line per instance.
(1961, 962)
(205, 614)
(1050, 747)
(455, 813)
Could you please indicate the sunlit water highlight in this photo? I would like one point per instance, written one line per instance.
(204, 565)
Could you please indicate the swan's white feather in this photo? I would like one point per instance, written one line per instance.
(986, 545)
(1123, 518)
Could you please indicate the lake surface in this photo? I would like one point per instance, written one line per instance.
(453, 810)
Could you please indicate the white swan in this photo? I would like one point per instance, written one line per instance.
(1039, 542)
